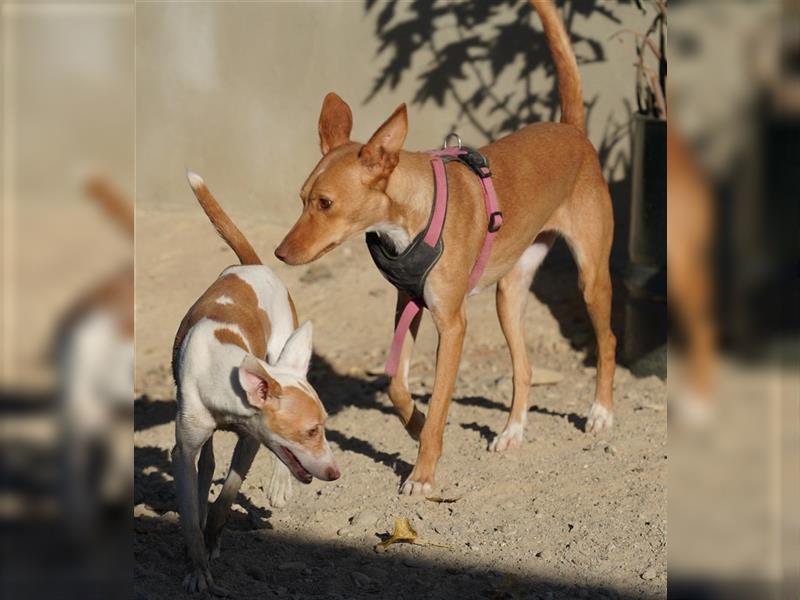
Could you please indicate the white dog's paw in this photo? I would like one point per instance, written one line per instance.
(214, 550)
(599, 418)
(199, 579)
(512, 437)
(280, 485)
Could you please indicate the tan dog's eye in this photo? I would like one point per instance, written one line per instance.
(325, 203)
(313, 432)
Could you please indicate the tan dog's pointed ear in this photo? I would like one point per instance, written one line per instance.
(257, 383)
(335, 123)
(382, 152)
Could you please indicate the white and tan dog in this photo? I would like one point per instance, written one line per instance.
(240, 363)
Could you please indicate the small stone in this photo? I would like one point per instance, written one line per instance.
(502, 380)
(316, 273)
(169, 517)
(255, 572)
(649, 573)
(360, 579)
(142, 510)
(611, 450)
(545, 554)
(376, 573)
(345, 531)
(365, 519)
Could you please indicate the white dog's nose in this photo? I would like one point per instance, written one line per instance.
(332, 473)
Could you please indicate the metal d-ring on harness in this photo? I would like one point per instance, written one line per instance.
(408, 270)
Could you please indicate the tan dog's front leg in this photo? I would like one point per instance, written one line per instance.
(448, 355)
(411, 417)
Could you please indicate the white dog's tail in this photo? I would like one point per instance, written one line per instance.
(222, 222)
(570, 89)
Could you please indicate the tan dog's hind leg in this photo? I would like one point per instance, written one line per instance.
(512, 297)
(243, 455)
(451, 327)
(589, 232)
(411, 417)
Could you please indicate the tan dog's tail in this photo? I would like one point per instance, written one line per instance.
(222, 222)
(569, 78)
(113, 202)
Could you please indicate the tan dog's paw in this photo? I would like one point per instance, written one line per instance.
(512, 437)
(280, 485)
(416, 485)
(199, 579)
(599, 418)
(692, 410)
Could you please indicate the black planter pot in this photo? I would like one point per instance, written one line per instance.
(646, 274)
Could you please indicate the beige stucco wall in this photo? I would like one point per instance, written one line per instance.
(233, 91)
(67, 108)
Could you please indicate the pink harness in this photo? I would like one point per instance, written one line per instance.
(434, 233)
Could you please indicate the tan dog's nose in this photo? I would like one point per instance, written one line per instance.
(280, 253)
(332, 473)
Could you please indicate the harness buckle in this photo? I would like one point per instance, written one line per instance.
(495, 221)
(476, 162)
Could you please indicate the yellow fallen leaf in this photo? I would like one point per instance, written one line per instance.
(441, 500)
(403, 533)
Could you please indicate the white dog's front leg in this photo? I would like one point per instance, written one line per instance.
(184, 456)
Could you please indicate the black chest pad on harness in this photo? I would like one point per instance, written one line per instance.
(409, 269)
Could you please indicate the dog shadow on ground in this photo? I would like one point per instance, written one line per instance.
(486, 432)
(259, 564)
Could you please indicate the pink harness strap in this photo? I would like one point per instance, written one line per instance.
(432, 236)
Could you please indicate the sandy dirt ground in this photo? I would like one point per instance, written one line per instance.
(568, 515)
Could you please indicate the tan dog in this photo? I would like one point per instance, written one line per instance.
(690, 277)
(548, 180)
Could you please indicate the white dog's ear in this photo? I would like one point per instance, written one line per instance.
(259, 386)
(296, 353)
